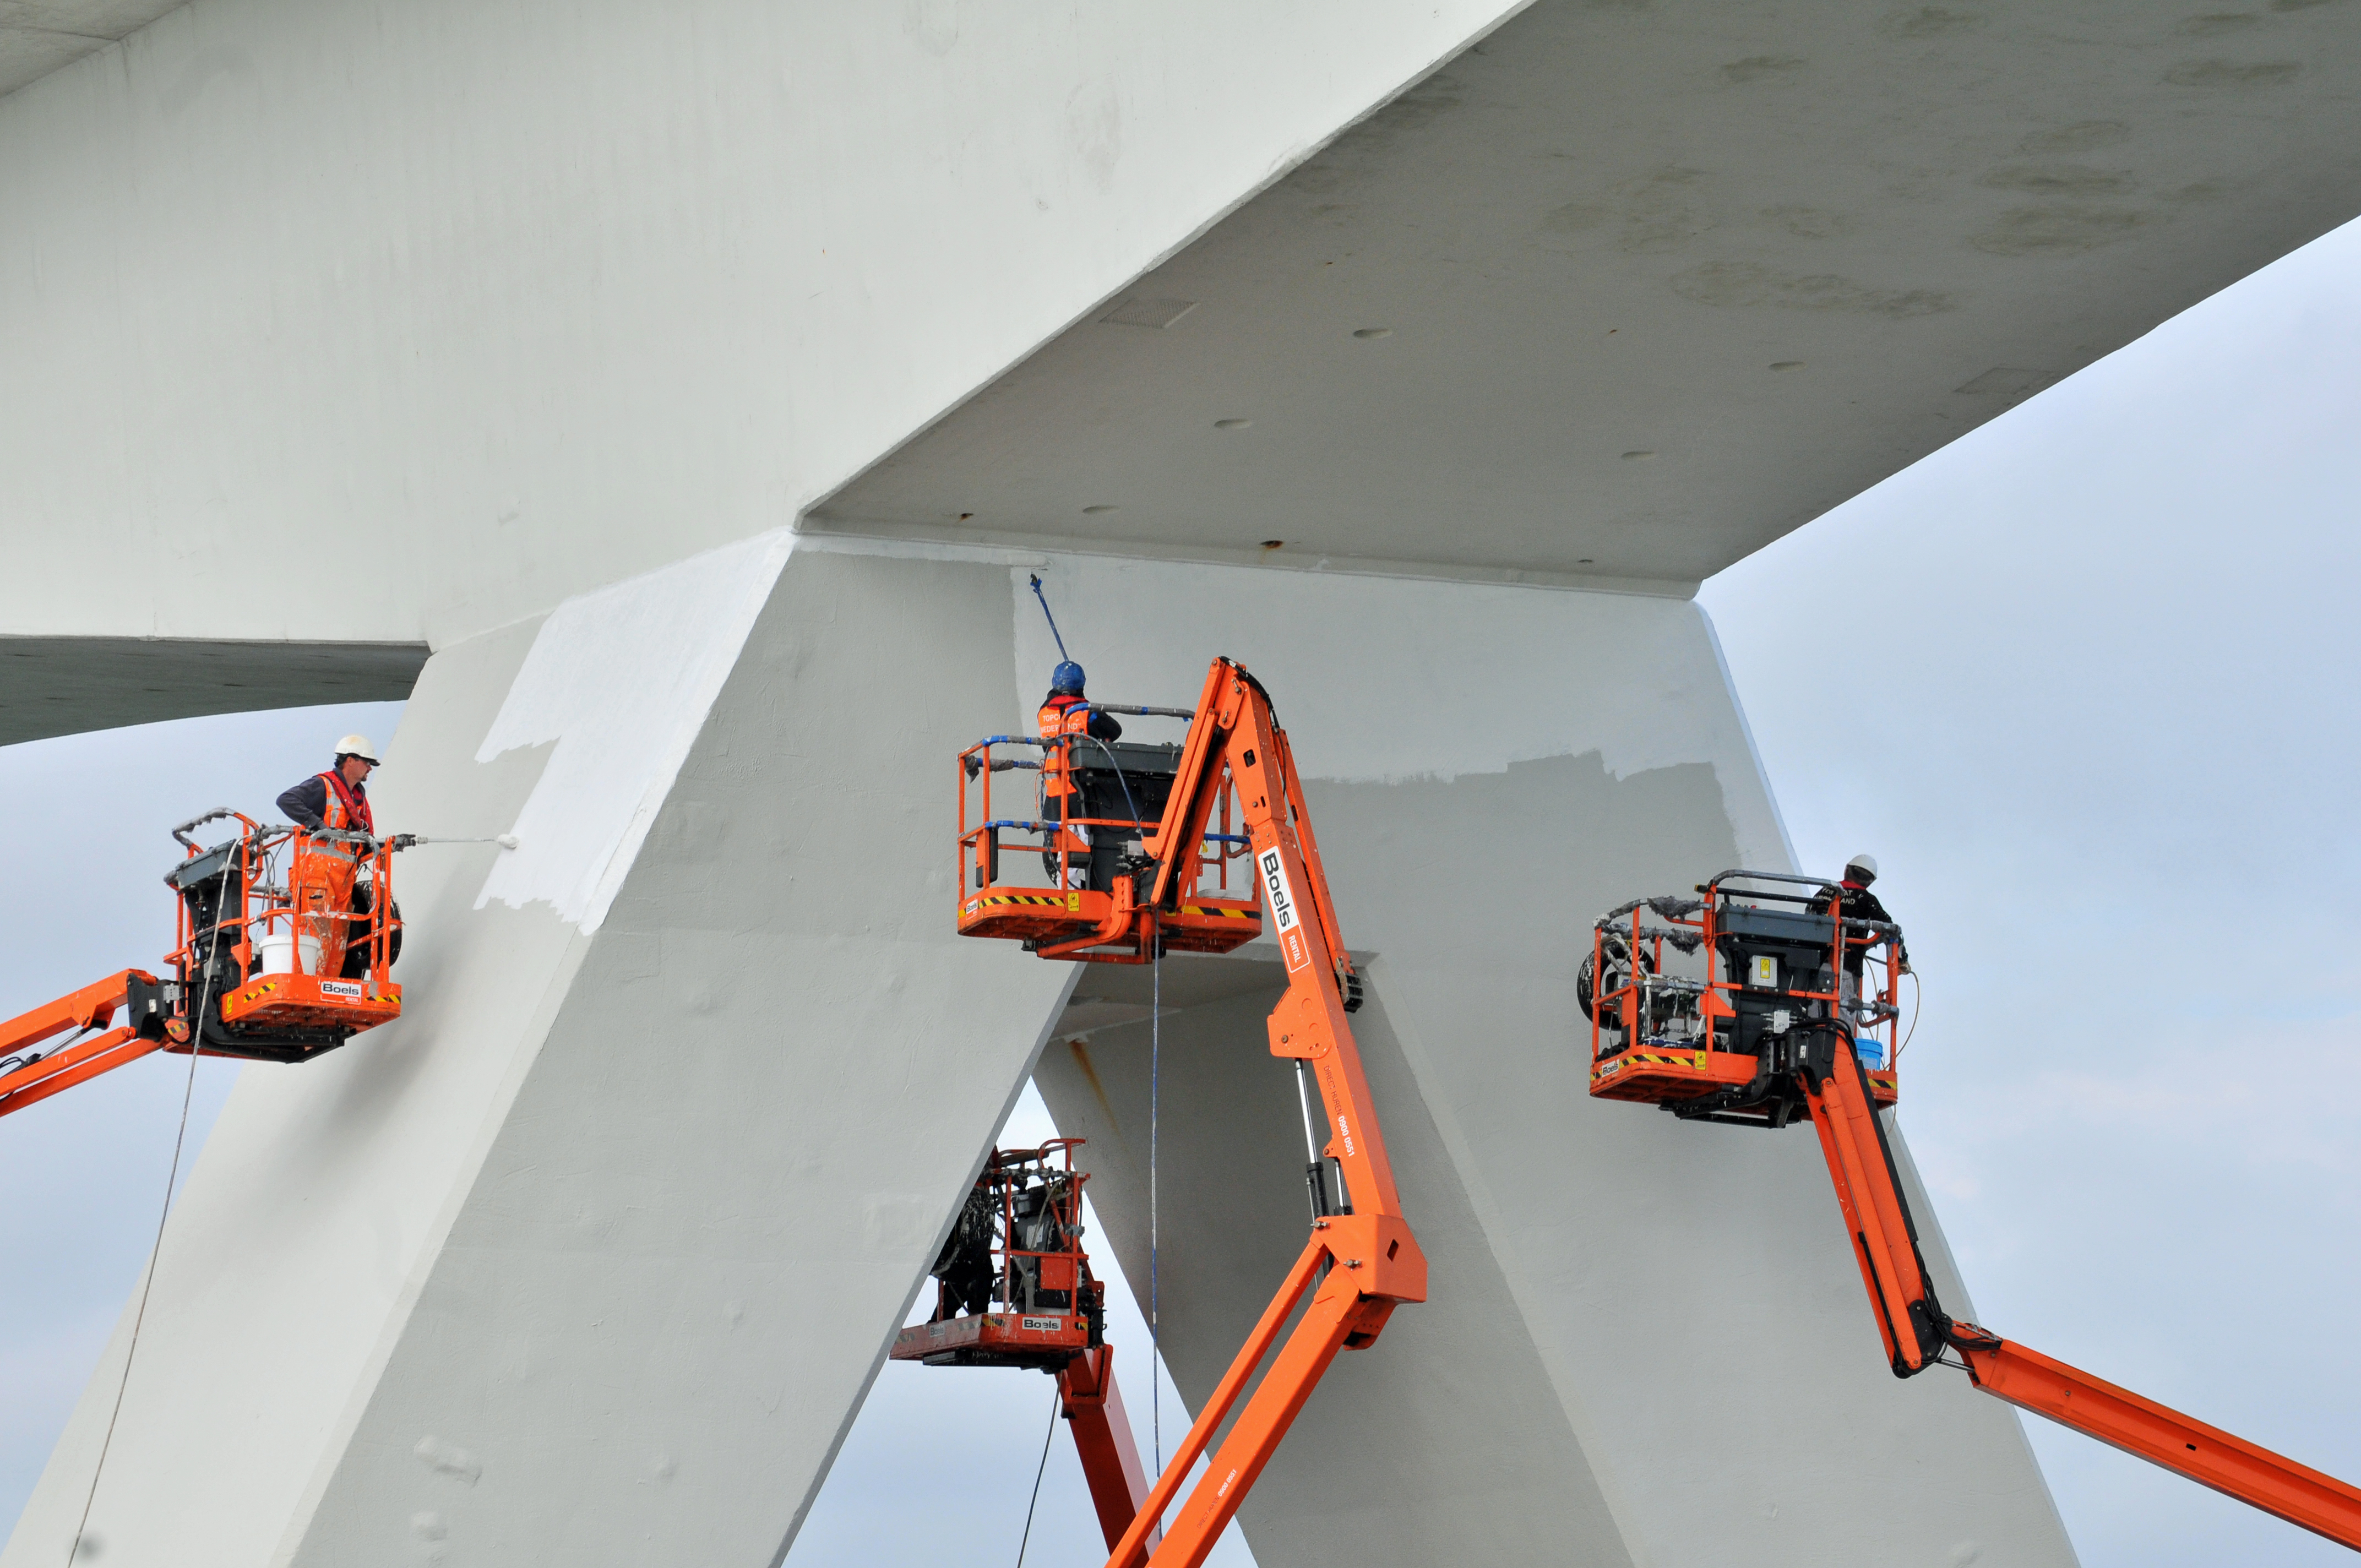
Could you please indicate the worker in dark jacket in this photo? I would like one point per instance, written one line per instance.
(1855, 902)
(339, 797)
(1068, 719)
(332, 907)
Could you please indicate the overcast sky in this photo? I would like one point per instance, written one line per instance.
(2084, 684)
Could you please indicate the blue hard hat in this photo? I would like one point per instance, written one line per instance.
(1066, 680)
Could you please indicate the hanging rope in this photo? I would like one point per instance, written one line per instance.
(1155, 1303)
(180, 1140)
(1055, 1399)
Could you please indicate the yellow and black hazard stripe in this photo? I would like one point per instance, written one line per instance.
(1613, 1065)
(1030, 900)
(1226, 914)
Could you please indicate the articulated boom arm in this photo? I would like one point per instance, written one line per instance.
(1361, 1261)
(1916, 1330)
(28, 1076)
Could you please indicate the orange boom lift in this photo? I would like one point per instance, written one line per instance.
(268, 967)
(1160, 821)
(1027, 1212)
(1773, 1039)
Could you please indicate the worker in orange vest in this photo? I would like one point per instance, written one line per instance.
(329, 905)
(1068, 720)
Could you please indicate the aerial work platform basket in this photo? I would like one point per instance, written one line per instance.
(1013, 1286)
(1081, 902)
(285, 938)
(1774, 954)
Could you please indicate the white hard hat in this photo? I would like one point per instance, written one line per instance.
(1863, 861)
(358, 746)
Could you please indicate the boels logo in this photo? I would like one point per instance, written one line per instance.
(1290, 930)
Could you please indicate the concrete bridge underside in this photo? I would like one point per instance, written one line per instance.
(700, 383)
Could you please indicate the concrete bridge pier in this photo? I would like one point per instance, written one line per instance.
(592, 1257)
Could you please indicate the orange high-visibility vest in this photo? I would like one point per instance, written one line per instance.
(1061, 716)
(346, 810)
(1061, 795)
(321, 879)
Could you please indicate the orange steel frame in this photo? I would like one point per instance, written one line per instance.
(1358, 1264)
(159, 1013)
(1844, 1099)
(91, 1007)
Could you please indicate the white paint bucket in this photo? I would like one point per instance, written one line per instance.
(277, 947)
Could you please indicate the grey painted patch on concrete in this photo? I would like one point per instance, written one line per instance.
(1931, 22)
(1810, 223)
(65, 685)
(1762, 68)
(1414, 865)
(1752, 283)
(2060, 180)
(2219, 23)
(2084, 136)
(2058, 231)
(2234, 75)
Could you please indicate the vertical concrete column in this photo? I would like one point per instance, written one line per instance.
(1646, 1340)
(590, 1257)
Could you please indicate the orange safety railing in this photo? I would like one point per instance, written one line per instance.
(286, 937)
(1054, 890)
(1659, 1036)
(263, 967)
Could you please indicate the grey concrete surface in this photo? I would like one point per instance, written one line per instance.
(64, 685)
(1658, 282)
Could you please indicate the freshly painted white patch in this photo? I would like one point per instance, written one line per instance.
(622, 680)
(1385, 679)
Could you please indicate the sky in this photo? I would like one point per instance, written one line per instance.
(2083, 683)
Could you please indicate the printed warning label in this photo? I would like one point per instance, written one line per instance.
(1285, 924)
